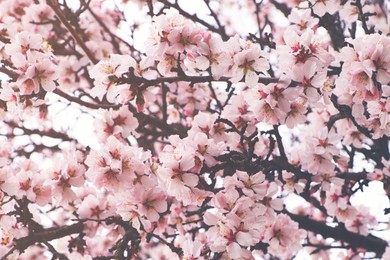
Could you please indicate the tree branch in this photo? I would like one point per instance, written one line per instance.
(193, 79)
(49, 133)
(195, 18)
(74, 34)
(44, 236)
(370, 243)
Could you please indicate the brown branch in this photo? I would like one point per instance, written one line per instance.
(347, 111)
(105, 28)
(280, 143)
(193, 79)
(168, 129)
(333, 25)
(362, 17)
(142, 118)
(333, 119)
(49, 133)
(195, 18)
(4, 39)
(257, 14)
(84, 103)
(43, 237)
(281, 7)
(47, 235)
(356, 176)
(74, 34)
(150, 6)
(55, 253)
(36, 148)
(13, 75)
(370, 243)
(215, 16)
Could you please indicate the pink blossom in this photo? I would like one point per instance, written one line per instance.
(66, 174)
(116, 166)
(283, 236)
(105, 73)
(42, 191)
(335, 201)
(167, 62)
(361, 222)
(151, 202)
(178, 178)
(23, 42)
(20, 186)
(193, 98)
(325, 6)
(204, 144)
(185, 38)
(92, 207)
(310, 79)
(253, 186)
(39, 75)
(302, 20)
(191, 249)
(119, 123)
(248, 63)
(295, 115)
(212, 55)
(231, 237)
(291, 184)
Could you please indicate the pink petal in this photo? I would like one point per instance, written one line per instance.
(152, 215)
(202, 62)
(161, 206)
(251, 79)
(244, 238)
(190, 179)
(210, 219)
(234, 250)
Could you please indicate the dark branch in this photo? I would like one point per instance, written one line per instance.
(370, 243)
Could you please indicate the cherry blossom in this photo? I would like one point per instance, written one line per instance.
(204, 130)
(283, 234)
(105, 73)
(248, 63)
(118, 123)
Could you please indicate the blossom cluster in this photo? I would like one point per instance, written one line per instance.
(364, 81)
(212, 142)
